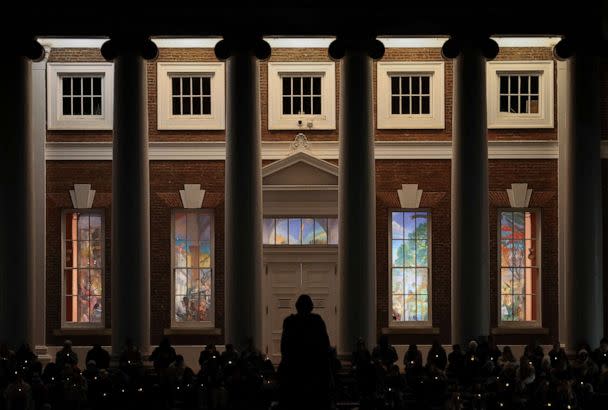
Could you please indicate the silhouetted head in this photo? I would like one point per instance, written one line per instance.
(97, 346)
(229, 347)
(179, 360)
(165, 342)
(67, 344)
(412, 348)
(304, 305)
(456, 348)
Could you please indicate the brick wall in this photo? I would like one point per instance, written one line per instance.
(541, 177)
(60, 178)
(294, 54)
(166, 179)
(433, 177)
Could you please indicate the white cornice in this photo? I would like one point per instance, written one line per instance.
(59, 42)
(298, 42)
(210, 151)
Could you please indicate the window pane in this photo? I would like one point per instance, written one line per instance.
(97, 107)
(175, 86)
(409, 224)
(422, 227)
(76, 106)
(534, 84)
(425, 107)
(514, 105)
(97, 85)
(422, 307)
(518, 225)
(181, 254)
(206, 105)
(405, 85)
(177, 106)
(96, 254)
(297, 105)
(415, 105)
(395, 105)
(410, 308)
(77, 86)
(295, 231)
(83, 227)
(514, 83)
(523, 103)
(286, 86)
(409, 253)
(405, 105)
(504, 84)
(67, 106)
(281, 229)
(186, 85)
(308, 231)
(86, 106)
(398, 287)
(397, 225)
(206, 82)
(297, 82)
(425, 85)
(395, 85)
(397, 253)
(192, 226)
(320, 231)
(533, 109)
(286, 105)
(186, 106)
(307, 108)
(398, 308)
(182, 303)
(204, 225)
(181, 281)
(196, 86)
(268, 231)
(316, 105)
(205, 282)
(307, 85)
(204, 254)
(196, 106)
(316, 85)
(506, 253)
(524, 80)
(66, 85)
(415, 85)
(422, 252)
(86, 85)
(422, 283)
(204, 308)
(409, 281)
(504, 103)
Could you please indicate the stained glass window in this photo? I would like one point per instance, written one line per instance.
(193, 266)
(409, 265)
(83, 267)
(519, 267)
(300, 231)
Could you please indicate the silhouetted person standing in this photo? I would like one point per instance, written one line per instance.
(305, 367)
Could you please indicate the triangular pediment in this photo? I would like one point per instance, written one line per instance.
(300, 169)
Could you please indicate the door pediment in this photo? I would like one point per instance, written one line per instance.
(300, 170)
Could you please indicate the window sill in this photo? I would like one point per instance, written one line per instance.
(75, 331)
(519, 331)
(211, 331)
(410, 330)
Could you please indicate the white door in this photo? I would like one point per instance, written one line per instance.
(286, 281)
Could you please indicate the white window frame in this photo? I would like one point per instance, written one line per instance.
(279, 121)
(192, 324)
(56, 119)
(410, 323)
(435, 119)
(544, 117)
(82, 325)
(165, 118)
(510, 324)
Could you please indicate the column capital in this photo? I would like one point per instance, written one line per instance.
(232, 43)
(571, 45)
(120, 43)
(27, 46)
(458, 42)
(367, 43)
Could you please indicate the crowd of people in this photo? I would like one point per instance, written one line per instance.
(480, 376)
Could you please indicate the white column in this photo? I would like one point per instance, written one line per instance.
(17, 242)
(130, 192)
(357, 190)
(470, 202)
(39, 251)
(243, 201)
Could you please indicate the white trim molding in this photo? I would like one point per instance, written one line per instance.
(299, 42)
(166, 119)
(544, 117)
(436, 117)
(273, 150)
(56, 119)
(324, 121)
